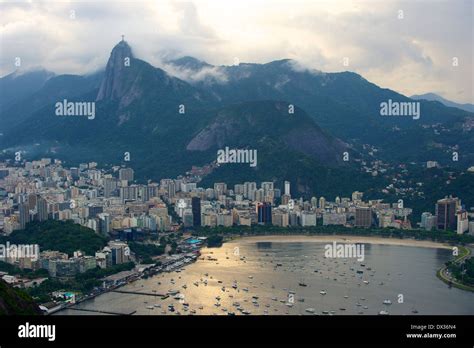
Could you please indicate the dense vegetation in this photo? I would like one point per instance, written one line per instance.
(26, 273)
(463, 271)
(214, 241)
(145, 252)
(16, 302)
(64, 236)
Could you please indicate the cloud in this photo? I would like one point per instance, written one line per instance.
(208, 74)
(412, 55)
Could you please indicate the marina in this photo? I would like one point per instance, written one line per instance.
(254, 285)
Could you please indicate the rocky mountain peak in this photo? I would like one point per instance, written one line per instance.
(112, 86)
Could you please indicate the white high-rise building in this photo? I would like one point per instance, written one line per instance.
(287, 188)
(463, 222)
(308, 218)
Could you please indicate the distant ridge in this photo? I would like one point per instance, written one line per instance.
(438, 98)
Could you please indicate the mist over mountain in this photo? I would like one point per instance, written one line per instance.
(168, 124)
(435, 97)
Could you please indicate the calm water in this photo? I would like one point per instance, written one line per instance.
(395, 270)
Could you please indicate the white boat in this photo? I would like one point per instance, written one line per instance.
(310, 310)
(387, 302)
(383, 313)
(323, 292)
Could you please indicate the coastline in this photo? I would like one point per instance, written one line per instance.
(341, 239)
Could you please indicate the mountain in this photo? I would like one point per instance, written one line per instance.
(435, 97)
(250, 124)
(54, 89)
(348, 106)
(169, 124)
(18, 85)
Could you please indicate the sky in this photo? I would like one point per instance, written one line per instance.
(413, 47)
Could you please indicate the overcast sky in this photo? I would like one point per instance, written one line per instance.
(412, 55)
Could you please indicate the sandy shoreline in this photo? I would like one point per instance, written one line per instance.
(343, 239)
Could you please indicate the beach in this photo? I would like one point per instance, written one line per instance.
(343, 239)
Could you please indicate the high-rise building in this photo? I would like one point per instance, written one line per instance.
(446, 214)
(249, 190)
(424, 217)
(126, 174)
(196, 208)
(430, 222)
(24, 210)
(357, 196)
(220, 188)
(42, 209)
(267, 186)
(334, 219)
(322, 203)
(32, 201)
(75, 173)
(4, 173)
(188, 218)
(363, 217)
(110, 185)
(471, 228)
(287, 188)
(129, 192)
(94, 210)
(259, 195)
(308, 218)
(239, 189)
(119, 252)
(462, 222)
(264, 213)
(171, 189)
(104, 224)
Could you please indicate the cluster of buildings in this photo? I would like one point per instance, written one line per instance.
(61, 265)
(248, 204)
(103, 201)
(112, 204)
(449, 215)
